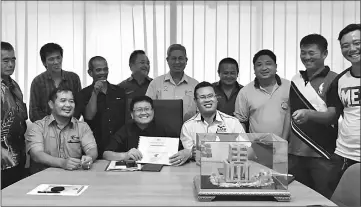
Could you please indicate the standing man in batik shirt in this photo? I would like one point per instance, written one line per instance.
(13, 117)
(52, 57)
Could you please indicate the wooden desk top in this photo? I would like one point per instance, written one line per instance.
(171, 186)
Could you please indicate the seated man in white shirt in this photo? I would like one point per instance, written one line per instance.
(207, 120)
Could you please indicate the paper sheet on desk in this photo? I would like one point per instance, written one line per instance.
(113, 167)
(69, 190)
(157, 150)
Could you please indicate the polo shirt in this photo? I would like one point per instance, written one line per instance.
(344, 95)
(164, 87)
(71, 141)
(110, 115)
(133, 88)
(223, 123)
(127, 137)
(42, 86)
(265, 111)
(321, 81)
(225, 104)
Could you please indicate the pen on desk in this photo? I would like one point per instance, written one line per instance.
(81, 188)
(48, 191)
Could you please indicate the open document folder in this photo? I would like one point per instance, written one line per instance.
(157, 150)
(58, 189)
(121, 166)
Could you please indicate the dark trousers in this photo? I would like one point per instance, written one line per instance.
(312, 172)
(12, 175)
(339, 166)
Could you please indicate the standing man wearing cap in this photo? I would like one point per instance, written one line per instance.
(264, 101)
(175, 84)
(102, 104)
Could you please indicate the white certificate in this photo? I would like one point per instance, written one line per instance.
(157, 150)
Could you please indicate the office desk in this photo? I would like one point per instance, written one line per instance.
(171, 186)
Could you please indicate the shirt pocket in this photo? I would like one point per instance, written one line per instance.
(73, 146)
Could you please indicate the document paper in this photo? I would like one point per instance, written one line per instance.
(69, 190)
(157, 150)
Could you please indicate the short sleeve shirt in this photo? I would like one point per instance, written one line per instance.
(344, 95)
(163, 87)
(225, 104)
(223, 123)
(133, 88)
(265, 111)
(71, 141)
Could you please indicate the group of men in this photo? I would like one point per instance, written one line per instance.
(304, 111)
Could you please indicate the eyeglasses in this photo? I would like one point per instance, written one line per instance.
(205, 97)
(174, 59)
(140, 110)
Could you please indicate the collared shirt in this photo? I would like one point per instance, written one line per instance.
(133, 88)
(13, 125)
(71, 141)
(223, 123)
(164, 87)
(127, 137)
(225, 104)
(265, 111)
(110, 115)
(321, 81)
(42, 86)
(345, 96)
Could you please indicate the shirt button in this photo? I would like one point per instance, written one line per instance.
(110, 132)
(109, 119)
(108, 108)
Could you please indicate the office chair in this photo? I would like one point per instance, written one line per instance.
(347, 193)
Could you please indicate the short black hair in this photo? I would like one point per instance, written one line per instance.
(347, 29)
(140, 99)
(264, 52)
(316, 39)
(176, 47)
(6, 46)
(50, 48)
(134, 56)
(53, 93)
(201, 85)
(228, 60)
(90, 63)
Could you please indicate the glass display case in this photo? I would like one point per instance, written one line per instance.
(252, 164)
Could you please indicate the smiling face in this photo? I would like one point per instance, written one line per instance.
(228, 73)
(63, 105)
(206, 100)
(177, 61)
(7, 63)
(53, 61)
(142, 112)
(350, 46)
(99, 71)
(265, 67)
(141, 64)
(312, 57)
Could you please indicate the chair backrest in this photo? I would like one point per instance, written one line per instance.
(167, 113)
(347, 192)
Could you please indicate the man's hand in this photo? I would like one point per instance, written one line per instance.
(134, 154)
(86, 162)
(71, 164)
(6, 158)
(300, 116)
(180, 157)
(98, 86)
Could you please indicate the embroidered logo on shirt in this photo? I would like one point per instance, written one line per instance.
(74, 139)
(165, 88)
(320, 89)
(284, 105)
(221, 129)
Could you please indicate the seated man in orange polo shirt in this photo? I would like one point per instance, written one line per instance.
(59, 139)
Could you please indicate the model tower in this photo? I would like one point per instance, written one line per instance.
(236, 167)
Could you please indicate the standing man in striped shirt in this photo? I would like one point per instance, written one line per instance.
(52, 57)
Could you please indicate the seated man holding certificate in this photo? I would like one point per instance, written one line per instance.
(59, 139)
(208, 120)
(124, 143)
